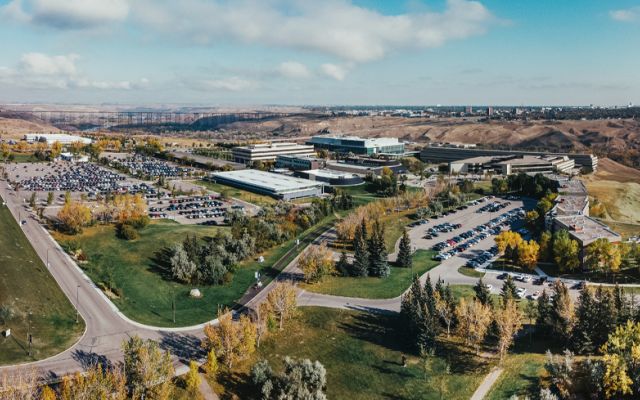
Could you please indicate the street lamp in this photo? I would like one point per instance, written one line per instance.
(77, 304)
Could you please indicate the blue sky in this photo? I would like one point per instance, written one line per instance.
(251, 52)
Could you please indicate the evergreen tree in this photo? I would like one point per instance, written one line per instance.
(606, 316)
(585, 320)
(343, 266)
(404, 252)
(360, 265)
(562, 315)
(418, 309)
(378, 258)
(544, 312)
(482, 292)
(428, 329)
(508, 290)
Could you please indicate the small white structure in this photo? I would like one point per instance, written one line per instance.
(6, 333)
(71, 158)
(51, 138)
(195, 293)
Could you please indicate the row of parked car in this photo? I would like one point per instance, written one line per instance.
(494, 206)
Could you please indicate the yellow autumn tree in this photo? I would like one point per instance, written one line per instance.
(527, 253)
(74, 216)
(474, 319)
(232, 341)
(316, 262)
(282, 302)
(508, 320)
(622, 361)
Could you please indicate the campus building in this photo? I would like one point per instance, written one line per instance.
(443, 153)
(299, 162)
(269, 151)
(51, 138)
(333, 178)
(357, 145)
(585, 230)
(276, 185)
(364, 166)
(513, 164)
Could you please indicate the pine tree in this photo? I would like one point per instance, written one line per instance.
(606, 316)
(404, 252)
(508, 290)
(544, 312)
(482, 292)
(585, 320)
(428, 327)
(378, 258)
(360, 265)
(562, 316)
(343, 266)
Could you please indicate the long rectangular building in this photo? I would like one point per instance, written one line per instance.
(269, 151)
(276, 185)
(357, 145)
(513, 164)
(446, 154)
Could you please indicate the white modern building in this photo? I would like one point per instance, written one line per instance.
(269, 151)
(513, 164)
(358, 145)
(276, 185)
(51, 138)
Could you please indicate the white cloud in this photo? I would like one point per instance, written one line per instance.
(626, 15)
(335, 27)
(294, 70)
(334, 71)
(41, 71)
(232, 84)
(67, 14)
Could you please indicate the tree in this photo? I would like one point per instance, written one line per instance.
(301, 379)
(360, 252)
(561, 318)
(32, 200)
(49, 198)
(546, 246)
(445, 306)
(404, 251)
(565, 251)
(74, 216)
(508, 320)
(527, 253)
(182, 268)
(543, 320)
(95, 383)
(48, 394)
(316, 263)
(192, 378)
(418, 311)
(211, 366)
(508, 242)
(378, 258)
(509, 290)
(148, 369)
(602, 255)
(482, 293)
(561, 373)
(343, 266)
(56, 149)
(621, 356)
(282, 301)
(231, 341)
(473, 319)
(532, 218)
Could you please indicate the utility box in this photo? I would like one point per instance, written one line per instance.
(6, 333)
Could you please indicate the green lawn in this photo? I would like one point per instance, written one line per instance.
(362, 354)
(520, 376)
(376, 288)
(240, 194)
(27, 287)
(362, 194)
(146, 289)
(466, 271)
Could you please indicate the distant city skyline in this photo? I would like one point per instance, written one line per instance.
(334, 52)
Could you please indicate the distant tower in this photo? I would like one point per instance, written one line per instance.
(489, 111)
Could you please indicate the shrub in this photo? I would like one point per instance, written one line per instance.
(127, 232)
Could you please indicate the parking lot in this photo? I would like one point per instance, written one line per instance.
(203, 210)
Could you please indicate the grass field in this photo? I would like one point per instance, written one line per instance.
(376, 288)
(362, 194)
(362, 354)
(27, 287)
(466, 271)
(147, 292)
(240, 194)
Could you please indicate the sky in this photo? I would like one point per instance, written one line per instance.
(329, 52)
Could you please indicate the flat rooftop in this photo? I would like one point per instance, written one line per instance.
(572, 186)
(587, 229)
(267, 180)
(327, 173)
(570, 204)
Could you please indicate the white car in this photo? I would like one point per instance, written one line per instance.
(520, 292)
(535, 295)
(489, 287)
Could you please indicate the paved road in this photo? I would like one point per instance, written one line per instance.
(106, 327)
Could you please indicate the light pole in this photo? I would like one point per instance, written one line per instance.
(47, 257)
(77, 304)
